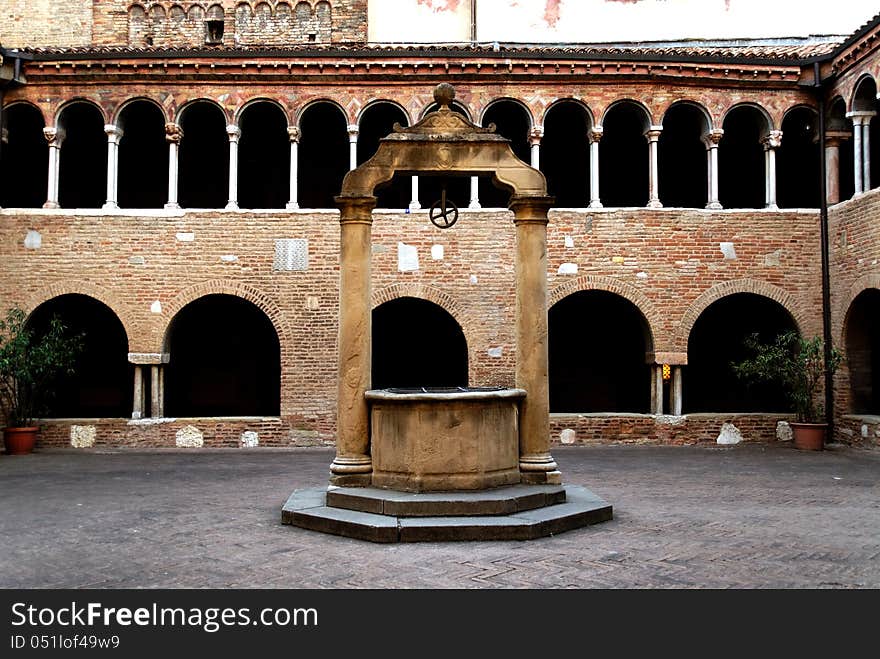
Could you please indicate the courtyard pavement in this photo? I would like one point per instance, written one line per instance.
(746, 516)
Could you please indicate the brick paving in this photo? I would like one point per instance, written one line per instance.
(748, 516)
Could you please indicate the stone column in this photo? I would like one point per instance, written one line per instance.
(234, 133)
(861, 121)
(595, 135)
(866, 150)
(711, 140)
(656, 389)
(114, 134)
(832, 165)
(414, 204)
(771, 142)
(535, 136)
(530, 218)
(293, 136)
(353, 465)
(173, 135)
(156, 410)
(54, 137)
(352, 146)
(138, 406)
(475, 193)
(653, 136)
(676, 390)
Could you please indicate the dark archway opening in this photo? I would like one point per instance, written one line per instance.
(716, 340)
(24, 165)
(225, 360)
(597, 346)
(417, 343)
(623, 157)
(203, 171)
(82, 177)
(143, 157)
(797, 162)
(263, 157)
(511, 121)
(323, 155)
(377, 121)
(863, 352)
(458, 188)
(741, 160)
(682, 158)
(565, 154)
(102, 385)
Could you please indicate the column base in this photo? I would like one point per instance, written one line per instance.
(541, 477)
(414, 205)
(474, 206)
(351, 480)
(51, 204)
(172, 205)
(771, 207)
(714, 206)
(292, 206)
(351, 464)
(655, 203)
(231, 206)
(110, 206)
(595, 203)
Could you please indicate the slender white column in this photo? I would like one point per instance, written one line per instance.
(711, 140)
(234, 133)
(114, 134)
(54, 137)
(653, 136)
(137, 411)
(772, 141)
(595, 135)
(414, 204)
(676, 393)
(475, 193)
(173, 135)
(657, 389)
(293, 136)
(155, 393)
(858, 122)
(535, 136)
(866, 151)
(352, 146)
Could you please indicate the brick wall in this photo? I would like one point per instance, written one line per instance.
(45, 23)
(667, 262)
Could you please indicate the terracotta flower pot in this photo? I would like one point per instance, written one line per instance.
(809, 436)
(20, 441)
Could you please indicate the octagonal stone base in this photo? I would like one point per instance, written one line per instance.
(520, 512)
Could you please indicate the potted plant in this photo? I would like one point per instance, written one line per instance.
(29, 365)
(798, 365)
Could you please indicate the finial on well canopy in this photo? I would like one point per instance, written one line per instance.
(444, 94)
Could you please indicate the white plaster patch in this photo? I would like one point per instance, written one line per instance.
(33, 240)
(437, 252)
(729, 434)
(728, 250)
(136, 260)
(864, 430)
(312, 302)
(641, 275)
(379, 249)
(82, 436)
(249, 439)
(568, 269)
(569, 241)
(568, 436)
(189, 437)
(186, 236)
(473, 279)
(773, 259)
(783, 431)
(156, 307)
(407, 257)
(229, 258)
(496, 352)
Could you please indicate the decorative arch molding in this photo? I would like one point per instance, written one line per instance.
(298, 114)
(707, 116)
(769, 124)
(856, 87)
(591, 119)
(501, 99)
(256, 297)
(116, 114)
(841, 318)
(256, 101)
(121, 310)
(59, 112)
(719, 291)
(181, 109)
(624, 290)
(797, 106)
(382, 101)
(647, 116)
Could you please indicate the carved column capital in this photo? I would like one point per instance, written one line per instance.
(861, 117)
(773, 139)
(54, 136)
(293, 133)
(535, 135)
(114, 133)
(353, 130)
(833, 138)
(173, 132)
(713, 138)
(233, 132)
(653, 133)
(595, 133)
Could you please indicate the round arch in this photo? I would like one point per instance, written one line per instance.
(116, 114)
(855, 102)
(181, 109)
(31, 104)
(707, 125)
(591, 120)
(648, 120)
(77, 101)
(298, 114)
(507, 99)
(725, 289)
(240, 110)
(768, 120)
(839, 318)
(382, 101)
